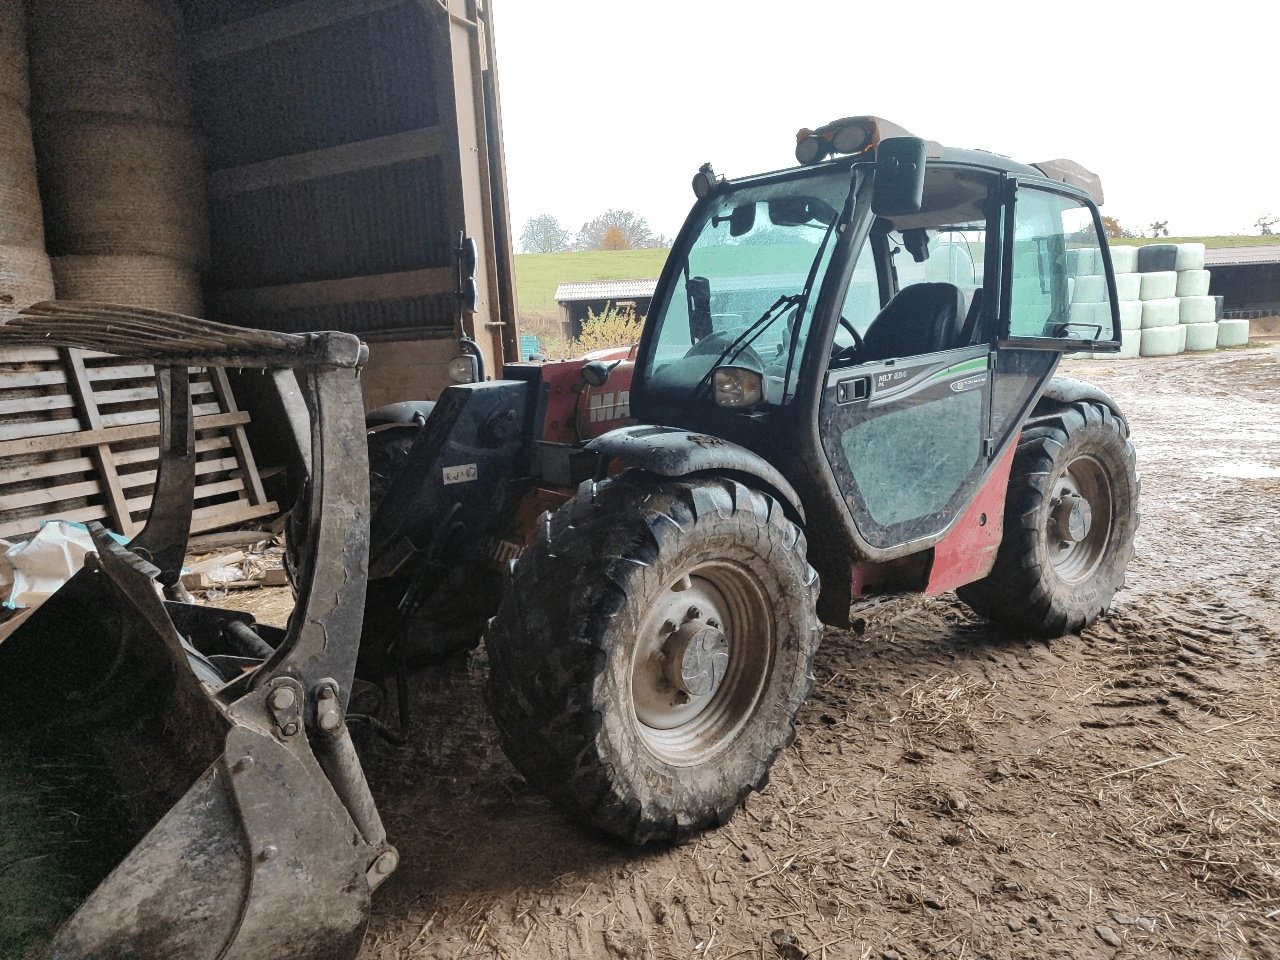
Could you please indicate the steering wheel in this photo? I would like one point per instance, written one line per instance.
(845, 354)
(716, 344)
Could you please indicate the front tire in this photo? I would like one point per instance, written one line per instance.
(651, 653)
(1070, 518)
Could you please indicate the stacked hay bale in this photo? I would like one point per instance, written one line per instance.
(1197, 311)
(25, 277)
(1162, 334)
(1090, 303)
(121, 172)
(1124, 261)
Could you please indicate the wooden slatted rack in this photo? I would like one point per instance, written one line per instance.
(78, 435)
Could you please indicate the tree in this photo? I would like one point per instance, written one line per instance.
(1111, 227)
(543, 234)
(1160, 228)
(617, 230)
(1265, 222)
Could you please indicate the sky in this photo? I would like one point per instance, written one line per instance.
(615, 103)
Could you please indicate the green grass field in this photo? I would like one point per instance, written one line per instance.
(538, 273)
(1210, 242)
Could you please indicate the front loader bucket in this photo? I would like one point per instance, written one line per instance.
(200, 792)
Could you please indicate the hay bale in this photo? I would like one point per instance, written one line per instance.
(13, 52)
(137, 280)
(1157, 257)
(119, 57)
(114, 186)
(25, 279)
(21, 223)
(1124, 259)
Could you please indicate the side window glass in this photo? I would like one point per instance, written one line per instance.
(1059, 284)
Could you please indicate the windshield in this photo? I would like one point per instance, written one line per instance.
(747, 286)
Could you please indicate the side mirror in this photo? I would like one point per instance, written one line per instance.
(742, 219)
(899, 186)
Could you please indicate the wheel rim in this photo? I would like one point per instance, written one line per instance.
(1078, 528)
(702, 660)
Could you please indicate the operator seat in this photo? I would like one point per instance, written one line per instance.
(921, 318)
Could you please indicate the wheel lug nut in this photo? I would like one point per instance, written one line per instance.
(694, 613)
(713, 622)
(668, 627)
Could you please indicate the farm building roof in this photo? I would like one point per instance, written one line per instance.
(604, 290)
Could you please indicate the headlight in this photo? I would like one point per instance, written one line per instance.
(463, 370)
(737, 386)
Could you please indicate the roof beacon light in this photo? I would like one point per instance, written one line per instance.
(704, 181)
(850, 135)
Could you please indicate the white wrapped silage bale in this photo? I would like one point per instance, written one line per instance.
(1190, 256)
(1193, 283)
(1089, 289)
(1161, 341)
(1200, 336)
(1196, 310)
(1159, 286)
(1129, 286)
(1131, 315)
(1160, 313)
(1233, 333)
(1124, 259)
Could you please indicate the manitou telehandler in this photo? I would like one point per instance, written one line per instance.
(844, 388)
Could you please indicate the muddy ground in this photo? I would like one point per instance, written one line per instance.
(953, 792)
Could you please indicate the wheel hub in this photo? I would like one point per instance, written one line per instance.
(1072, 517)
(696, 658)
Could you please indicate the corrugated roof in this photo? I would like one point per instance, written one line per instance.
(604, 290)
(1227, 256)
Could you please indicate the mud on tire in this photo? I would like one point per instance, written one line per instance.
(622, 582)
(1045, 580)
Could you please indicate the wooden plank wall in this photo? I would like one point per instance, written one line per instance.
(78, 436)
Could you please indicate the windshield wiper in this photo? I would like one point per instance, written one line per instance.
(747, 337)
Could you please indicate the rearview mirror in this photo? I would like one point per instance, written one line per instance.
(742, 219)
(899, 185)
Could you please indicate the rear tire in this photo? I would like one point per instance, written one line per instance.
(1070, 518)
(651, 652)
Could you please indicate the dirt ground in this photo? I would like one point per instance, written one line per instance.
(953, 792)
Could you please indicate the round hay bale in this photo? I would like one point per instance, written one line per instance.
(24, 279)
(136, 280)
(1159, 313)
(115, 186)
(21, 222)
(1124, 259)
(1131, 315)
(1089, 289)
(1161, 341)
(13, 52)
(1233, 333)
(1193, 283)
(1196, 310)
(1159, 286)
(1190, 256)
(122, 57)
(1128, 349)
(1157, 257)
(1128, 286)
(1201, 336)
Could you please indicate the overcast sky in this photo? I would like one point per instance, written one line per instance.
(615, 103)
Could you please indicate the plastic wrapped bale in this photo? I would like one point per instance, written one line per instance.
(1159, 313)
(1233, 333)
(1196, 310)
(1193, 283)
(144, 281)
(1201, 336)
(1081, 262)
(1157, 258)
(1129, 347)
(1128, 286)
(1190, 256)
(1159, 286)
(1182, 338)
(1089, 289)
(1161, 341)
(1131, 315)
(1124, 259)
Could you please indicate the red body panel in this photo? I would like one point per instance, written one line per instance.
(968, 552)
(578, 411)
